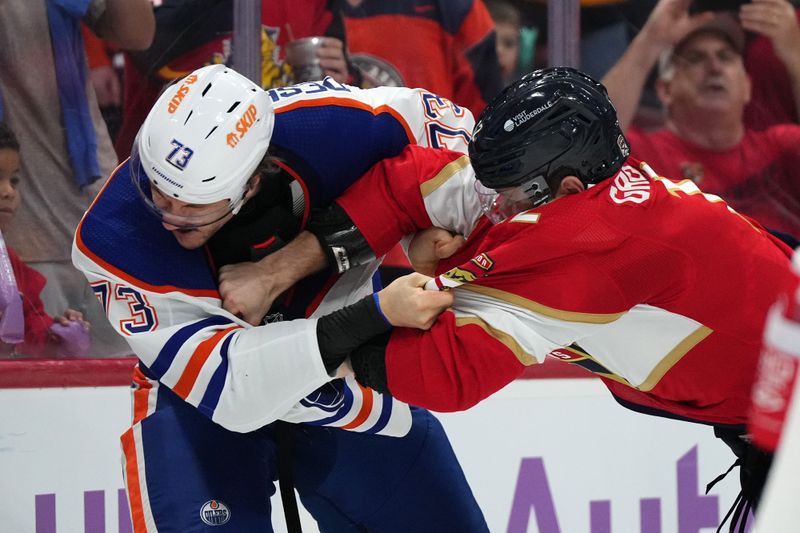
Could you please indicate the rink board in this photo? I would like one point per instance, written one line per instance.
(542, 455)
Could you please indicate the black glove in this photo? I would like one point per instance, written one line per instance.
(343, 243)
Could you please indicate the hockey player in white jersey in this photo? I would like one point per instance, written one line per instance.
(200, 192)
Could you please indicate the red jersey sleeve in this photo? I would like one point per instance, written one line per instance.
(450, 367)
(387, 203)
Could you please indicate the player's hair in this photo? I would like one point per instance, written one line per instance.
(7, 138)
(268, 166)
(502, 11)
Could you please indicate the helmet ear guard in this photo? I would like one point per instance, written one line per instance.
(549, 124)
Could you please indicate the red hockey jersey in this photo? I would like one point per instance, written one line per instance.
(655, 286)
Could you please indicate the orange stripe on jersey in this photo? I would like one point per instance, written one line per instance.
(132, 479)
(141, 395)
(161, 289)
(196, 362)
(137, 283)
(366, 408)
(346, 102)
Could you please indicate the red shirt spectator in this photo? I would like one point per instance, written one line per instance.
(757, 176)
(773, 100)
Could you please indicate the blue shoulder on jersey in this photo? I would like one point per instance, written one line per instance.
(332, 142)
(123, 236)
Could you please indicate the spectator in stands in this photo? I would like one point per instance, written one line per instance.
(772, 59)
(604, 34)
(65, 147)
(179, 48)
(605, 29)
(445, 46)
(39, 340)
(515, 43)
(105, 78)
(704, 88)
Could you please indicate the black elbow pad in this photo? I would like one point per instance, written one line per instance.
(342, 241)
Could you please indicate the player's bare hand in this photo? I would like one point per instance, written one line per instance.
(776, 20)
(429, 246)
(247, 290)
(406, 303)
(332, 59)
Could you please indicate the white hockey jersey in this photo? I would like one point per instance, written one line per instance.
(164, 299)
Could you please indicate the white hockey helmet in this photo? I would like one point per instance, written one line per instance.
(202, 141)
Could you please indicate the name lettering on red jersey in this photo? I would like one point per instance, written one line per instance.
(630, 186)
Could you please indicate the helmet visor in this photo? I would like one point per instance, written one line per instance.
(174, 212)
(503, 203)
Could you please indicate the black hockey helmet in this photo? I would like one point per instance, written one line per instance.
(548, 124)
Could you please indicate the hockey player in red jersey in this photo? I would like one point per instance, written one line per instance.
(580, 252)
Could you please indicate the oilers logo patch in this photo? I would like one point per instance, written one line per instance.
(215, 513)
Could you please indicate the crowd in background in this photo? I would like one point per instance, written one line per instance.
(715, 103)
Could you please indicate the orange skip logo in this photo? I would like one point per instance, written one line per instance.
(242, 126)
(183, 90)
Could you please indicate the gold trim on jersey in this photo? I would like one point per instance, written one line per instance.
(524, 303)
(501, 336)
(673, 357)
(445, 174)
(527, 217)
(689, 188)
